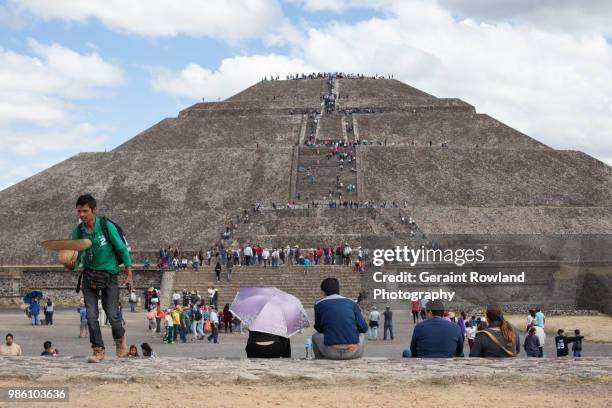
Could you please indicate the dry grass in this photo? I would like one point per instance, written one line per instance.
(596, 329)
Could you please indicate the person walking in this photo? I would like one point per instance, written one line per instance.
(374, 318)
(132, 301)
(34, 309)
(228, 317)
(100, 274)
(214, 326)
(388, 324)
(415, 307)
(49, 312)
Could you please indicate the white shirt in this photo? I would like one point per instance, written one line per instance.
(265, 254)
(541, 335)
(176, 296)
(214, 318)
(12, 350)
(248, 251)
(470, 332)
(374, 315)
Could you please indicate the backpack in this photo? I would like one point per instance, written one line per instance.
(198, 316)
(104, 225)
(207, 327)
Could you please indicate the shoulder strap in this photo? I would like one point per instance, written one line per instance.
(497, 343)
(104, 226)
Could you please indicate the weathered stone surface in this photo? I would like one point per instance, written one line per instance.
(70, 370)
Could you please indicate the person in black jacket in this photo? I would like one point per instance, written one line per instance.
(562, 343)
(497, 339)
(266, 345)
(577, 346)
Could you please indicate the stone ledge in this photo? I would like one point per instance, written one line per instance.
(75, 369)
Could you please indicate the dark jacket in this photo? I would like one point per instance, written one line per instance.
(532, 343)
(339, 319)
(577, 346)
(436, 337)
(562, 343)
(485, 347)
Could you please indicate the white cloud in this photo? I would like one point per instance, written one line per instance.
(563, 15)
(234, 74)
(38, 89)
(231, 20)
(40, 121)
(556, 87)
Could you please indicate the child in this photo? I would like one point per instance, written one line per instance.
(532, 343)
(308, 347)
(169, 327)
(561, 342)
(49, 350)
(577, 346)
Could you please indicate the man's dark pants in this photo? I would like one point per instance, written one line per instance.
(110, 304)
(214, 334)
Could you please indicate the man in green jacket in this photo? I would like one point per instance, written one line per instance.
(100, 275)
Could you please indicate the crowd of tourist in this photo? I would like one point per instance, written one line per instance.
(323, 75)
(340, 329)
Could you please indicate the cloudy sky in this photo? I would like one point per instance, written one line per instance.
(88, 75)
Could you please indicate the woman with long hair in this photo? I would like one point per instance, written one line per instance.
(498, 339)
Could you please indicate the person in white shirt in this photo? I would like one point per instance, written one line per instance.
(176, 298)
(214, 326)
(265, 255)
(374, 318)
(248, 253)
(10, 348)
(423, 307)
(470, 333)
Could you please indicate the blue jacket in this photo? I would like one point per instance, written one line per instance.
(339, 319)
(34, 308)
(436, 338)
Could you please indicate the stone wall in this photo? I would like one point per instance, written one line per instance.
(247, 131)
(457, 128)
(60, 284)
(485, 177)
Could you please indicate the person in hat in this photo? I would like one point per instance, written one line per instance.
(435, 337)
(100, 275)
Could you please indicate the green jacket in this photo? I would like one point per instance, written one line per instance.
(103, 255)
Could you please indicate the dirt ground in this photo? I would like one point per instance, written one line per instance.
(596, 328)
(428, 393)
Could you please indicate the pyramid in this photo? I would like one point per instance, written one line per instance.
(464, 176)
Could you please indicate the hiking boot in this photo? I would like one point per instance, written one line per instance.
(121, 346)
(97, 356)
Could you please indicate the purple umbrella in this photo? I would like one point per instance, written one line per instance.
(270, 310)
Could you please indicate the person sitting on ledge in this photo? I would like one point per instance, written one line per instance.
(338, 322)
(498, 339)
(435, 337)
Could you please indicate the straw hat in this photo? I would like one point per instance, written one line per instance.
(67, 256)
(67, 244)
